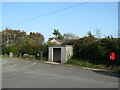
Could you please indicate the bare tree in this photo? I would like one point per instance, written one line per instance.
(98, 33)
(70, 36)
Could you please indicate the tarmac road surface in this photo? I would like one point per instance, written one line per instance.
(28, 74)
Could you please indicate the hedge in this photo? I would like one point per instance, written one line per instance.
(96, 50)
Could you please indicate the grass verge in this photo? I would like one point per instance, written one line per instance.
(4, 56)
(81, 63)
(85, 64)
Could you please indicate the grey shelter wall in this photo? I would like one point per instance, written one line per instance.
(60, 53)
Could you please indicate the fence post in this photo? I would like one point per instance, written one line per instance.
(41, 55)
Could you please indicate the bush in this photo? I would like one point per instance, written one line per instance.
(32, 57)
(11, 48)
(27, 56)
(96, 51)
(44, 59)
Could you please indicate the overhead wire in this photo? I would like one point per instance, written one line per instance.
(56, 11)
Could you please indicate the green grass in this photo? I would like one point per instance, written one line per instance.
(4, 56)
(91, 65)
(44, 59)
(32, 57)
(85, 64)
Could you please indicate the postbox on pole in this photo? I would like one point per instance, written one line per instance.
(112, 56)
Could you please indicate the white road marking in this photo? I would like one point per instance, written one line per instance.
(29, 65)
(14, 69)
(3, 61)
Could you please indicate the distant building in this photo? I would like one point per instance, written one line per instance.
(56, 40)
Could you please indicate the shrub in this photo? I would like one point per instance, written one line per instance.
(96, 51)
(32, 57)
(44, 59)
(11, 48)
(27, 56)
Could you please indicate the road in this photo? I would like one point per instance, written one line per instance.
(28, 74)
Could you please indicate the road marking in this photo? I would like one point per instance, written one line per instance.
(3, 61)
(29, 65)
(16, 69)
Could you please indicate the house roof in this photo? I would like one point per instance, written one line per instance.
(60, 40)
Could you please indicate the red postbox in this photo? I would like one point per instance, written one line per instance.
(112, 56)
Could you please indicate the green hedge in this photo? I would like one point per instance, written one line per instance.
(96, 50)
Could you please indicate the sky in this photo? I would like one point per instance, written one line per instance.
(44, 17)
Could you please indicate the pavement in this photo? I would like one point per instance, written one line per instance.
(18, 73)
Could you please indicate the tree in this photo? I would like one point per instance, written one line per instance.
(98, 33)
(57, 34)
(12, 37)
(36, 38)
(70, 36)
(25, 47)
(11, 48)
(31, 44)
(90, 34)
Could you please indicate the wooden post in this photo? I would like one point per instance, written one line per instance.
(41, 55)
